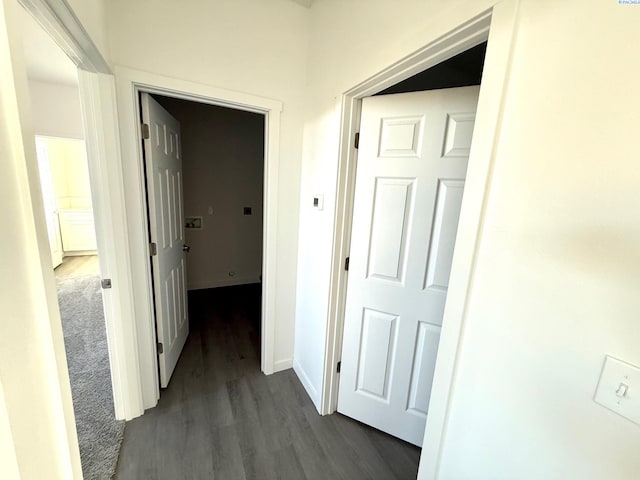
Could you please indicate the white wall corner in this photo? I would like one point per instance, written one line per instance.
(306, 383)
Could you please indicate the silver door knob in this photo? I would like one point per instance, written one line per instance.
(186, 248)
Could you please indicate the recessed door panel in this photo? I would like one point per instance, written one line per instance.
(182, 293)
(376, 353)
(163, 210)
(389, 227)
(457, 140)
(424, 361)
(179, 209)
(401, 137)
(443, 236)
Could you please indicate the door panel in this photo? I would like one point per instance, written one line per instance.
(424, 356)
(163, 165)
(376, 353)
(445, 228)
(412, 164)
(391, 214)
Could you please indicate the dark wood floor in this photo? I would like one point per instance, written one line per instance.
(221, 418)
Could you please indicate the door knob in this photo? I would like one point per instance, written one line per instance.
(186, 248)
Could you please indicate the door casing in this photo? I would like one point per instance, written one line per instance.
(129, 84)
(98, 99)
(497, 26)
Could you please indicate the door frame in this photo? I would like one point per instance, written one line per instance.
(97, 97)
(498, 26)
(96, 88)
(129, 84)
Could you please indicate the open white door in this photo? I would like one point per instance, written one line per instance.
(163, 163)
(412, 163)
(50, 204)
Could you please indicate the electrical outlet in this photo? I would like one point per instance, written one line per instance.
(619, 388)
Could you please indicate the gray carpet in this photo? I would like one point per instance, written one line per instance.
(85, 339)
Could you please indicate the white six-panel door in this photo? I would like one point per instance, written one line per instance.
(163, 162)
(412, 163)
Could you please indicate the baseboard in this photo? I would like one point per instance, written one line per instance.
(79, 253)
(221, 283)
(281, 365)
(308, 386)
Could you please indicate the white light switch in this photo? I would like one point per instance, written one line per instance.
(619, 388)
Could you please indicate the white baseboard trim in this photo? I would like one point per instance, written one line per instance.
(308, 386)
(233, 281)
(280, 365)
(79, 253)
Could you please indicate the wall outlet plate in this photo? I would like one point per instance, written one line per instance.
(193, 223)
(619, 388)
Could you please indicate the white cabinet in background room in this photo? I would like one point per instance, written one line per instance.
(78, 231)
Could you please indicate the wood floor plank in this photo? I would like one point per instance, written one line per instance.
(226, 454)
(344, 458)
(288, 465)
(272, 413)
(222, 419)
(314, 460)
(402, 457)
(257, 460)
(357, 437)
(243, 404)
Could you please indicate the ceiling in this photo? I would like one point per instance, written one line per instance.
(46, 62)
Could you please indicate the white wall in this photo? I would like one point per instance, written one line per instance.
(8, 460)
(37, 394)
(556, 284)
(349, 43)
(248, 46)
(93, 16)
(69, 169)
(55, 110)
(558, 274)
(42, 441)
(222, 161)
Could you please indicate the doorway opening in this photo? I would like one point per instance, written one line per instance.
(498, 23)
(414, 145)
(67, 202)
(218, 194)
(130, 85)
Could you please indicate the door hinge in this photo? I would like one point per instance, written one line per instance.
(339, 366)
(153, 249)
(346, 264)
(145, 131)
(356, 142)
(106, 283)
(160, 348)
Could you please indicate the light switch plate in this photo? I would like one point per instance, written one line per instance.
(619, 388)
(318, 201)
